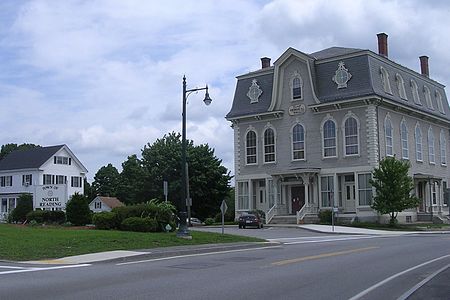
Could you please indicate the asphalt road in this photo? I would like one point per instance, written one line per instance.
(304, 266)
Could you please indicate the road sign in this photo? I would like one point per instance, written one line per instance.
(223, 207)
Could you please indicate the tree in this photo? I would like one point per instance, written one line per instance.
(24, 206)
(8, 148)
(105, 181)
(393, 188)
(208, 179)
(88, 190)
(77, 210)
(130, 188)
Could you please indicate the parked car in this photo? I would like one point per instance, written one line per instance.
(195, 222)
(248, 220)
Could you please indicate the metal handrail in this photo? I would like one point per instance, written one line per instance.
(270, 213)
(301, 213)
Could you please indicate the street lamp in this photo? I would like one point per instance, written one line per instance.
(183, 231)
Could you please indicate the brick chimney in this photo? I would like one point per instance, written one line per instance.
(424, 65)
(382, 44)
(265, 62)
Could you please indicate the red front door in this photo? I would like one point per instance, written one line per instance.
(297, 198)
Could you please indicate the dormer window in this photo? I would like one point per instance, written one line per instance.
(427, 93)
(401, 86)
(62, 160)
(439, 102)
(385, 80)
(415, 92)
(296, 86)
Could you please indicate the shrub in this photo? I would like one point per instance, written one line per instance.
(209, 221)
(24, 206)
(77, 210)
(146, 224)
(47, 216)
(325, 216)
(105, 220)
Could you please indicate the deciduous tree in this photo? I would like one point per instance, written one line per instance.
(105, 181)
(393, 188)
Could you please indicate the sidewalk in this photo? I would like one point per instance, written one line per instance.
(355, 230)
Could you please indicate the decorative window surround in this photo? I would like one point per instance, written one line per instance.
(351, 135)
(388, 135)
(296, 86)
(418, 137)
(431, 155)
(329, 137)
(443, 148)
(404, 139)
(401, 86)
(251, 150)
(254, 92)
(298, 142)
(269, 147)
(427, 94)
(341, 76)
(385, 80)
(439, 102)
(415, 92)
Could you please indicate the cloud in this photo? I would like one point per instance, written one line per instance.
(105, 76)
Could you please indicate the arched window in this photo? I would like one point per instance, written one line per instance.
(269, 145)
(427, 93)
(385, 80)
(439, 102)
(250, 148)
(351, 136)
(388, 136)
(418, 137)
(296, 88)
(298, 142)
(329, 139)
(401, 86)
(443, 148)
(431, 155)
(415, 92)
(404, 137)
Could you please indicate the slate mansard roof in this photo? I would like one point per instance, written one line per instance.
(364, 66)
(32, 158)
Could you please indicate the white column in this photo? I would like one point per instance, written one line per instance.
(250, 195)
(336, 190)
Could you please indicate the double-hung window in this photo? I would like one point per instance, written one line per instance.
(250, 147)
(327, 190)
(364, 189)
(419, 156)
(404, 138)
(329, 139)
(388, 137)
(298, 142)
(269, 145)
(431, 155)
(351, 136)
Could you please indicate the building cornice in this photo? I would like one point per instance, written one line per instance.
(260, 116)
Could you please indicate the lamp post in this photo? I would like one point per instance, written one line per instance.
(183, 231)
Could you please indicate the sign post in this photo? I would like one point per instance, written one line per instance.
(166, 188)
(223, 209)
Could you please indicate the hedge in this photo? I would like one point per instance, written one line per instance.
(146, 224)
(47, 216)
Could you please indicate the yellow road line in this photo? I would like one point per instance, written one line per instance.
(300, 259)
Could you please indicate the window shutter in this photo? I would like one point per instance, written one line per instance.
(70, 161)
(54, 160)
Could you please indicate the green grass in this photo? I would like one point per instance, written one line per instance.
(33, 243)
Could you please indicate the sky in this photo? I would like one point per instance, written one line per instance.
(105, 76)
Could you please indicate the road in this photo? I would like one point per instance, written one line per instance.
(304, 265)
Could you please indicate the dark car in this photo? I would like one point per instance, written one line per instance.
(248, 220)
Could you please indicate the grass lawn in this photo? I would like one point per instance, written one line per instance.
(33, 243)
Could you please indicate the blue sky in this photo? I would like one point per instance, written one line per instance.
(104, 76)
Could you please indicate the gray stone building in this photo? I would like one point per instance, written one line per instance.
(309, 130)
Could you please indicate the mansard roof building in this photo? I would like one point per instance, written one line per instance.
(310, 129)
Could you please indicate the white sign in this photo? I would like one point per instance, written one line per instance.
(223, 207)
(50, 196)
